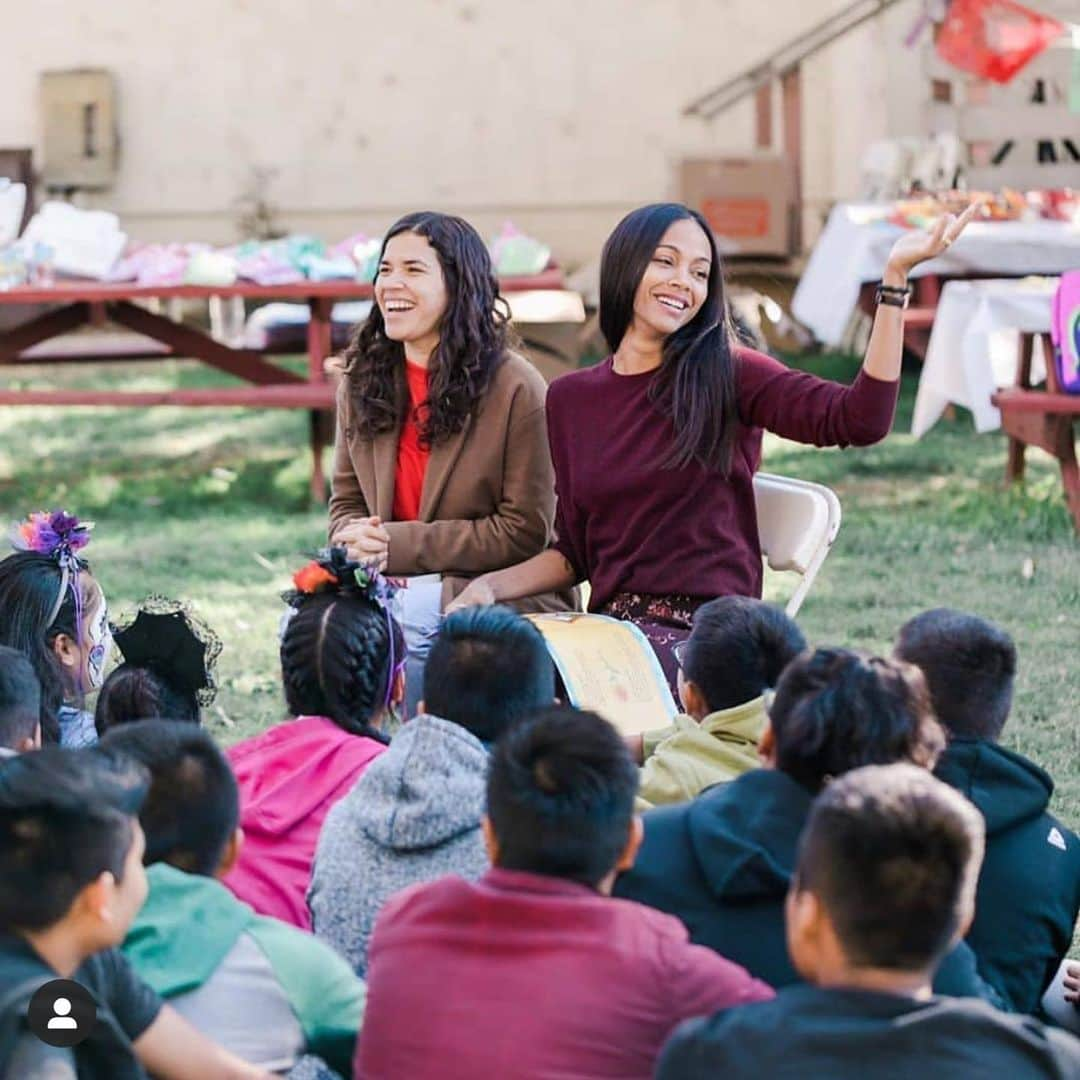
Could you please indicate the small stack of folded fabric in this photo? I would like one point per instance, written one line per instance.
(517, 255)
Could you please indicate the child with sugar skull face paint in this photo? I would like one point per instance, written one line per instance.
(53, 610)
(98, 645)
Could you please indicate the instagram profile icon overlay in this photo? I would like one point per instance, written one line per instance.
(62, 1013)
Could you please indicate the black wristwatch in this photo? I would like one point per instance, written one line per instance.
(893, 295)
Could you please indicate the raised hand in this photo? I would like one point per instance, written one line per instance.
(921, 245)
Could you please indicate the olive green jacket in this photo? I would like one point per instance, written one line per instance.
(686, 757)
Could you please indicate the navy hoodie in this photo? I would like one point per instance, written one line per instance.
(1029, 888)
(722, 863)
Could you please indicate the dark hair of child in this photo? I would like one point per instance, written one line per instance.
(193, 805)
(893, 855)
(341, 648)
(487, 667)
(560, 792)
(969, 665)
(66, 817)
(836, 710)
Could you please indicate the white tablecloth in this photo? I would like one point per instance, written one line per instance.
(855, 243)
(973, 346)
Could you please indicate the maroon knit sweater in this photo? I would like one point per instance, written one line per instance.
(628, 525)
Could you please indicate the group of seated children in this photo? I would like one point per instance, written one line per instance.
(841, 869)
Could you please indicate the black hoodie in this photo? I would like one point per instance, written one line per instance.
(722, 863)
(1029, 889)
(126, 1007)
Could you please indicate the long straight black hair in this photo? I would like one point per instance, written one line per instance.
(695, 385)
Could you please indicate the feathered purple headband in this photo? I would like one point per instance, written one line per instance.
(57, 535)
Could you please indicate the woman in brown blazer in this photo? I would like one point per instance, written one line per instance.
(441, 464)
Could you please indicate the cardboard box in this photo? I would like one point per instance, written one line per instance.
(747, 201)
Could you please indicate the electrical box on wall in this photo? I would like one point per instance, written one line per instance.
(78, 117)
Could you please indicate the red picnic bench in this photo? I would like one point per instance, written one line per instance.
(1042, 418)
(268, 384)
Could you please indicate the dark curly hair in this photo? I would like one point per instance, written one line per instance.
(29, 584)
(336, 650)
(473, 338)
(836, 710)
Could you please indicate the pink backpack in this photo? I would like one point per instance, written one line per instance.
(1065, 331)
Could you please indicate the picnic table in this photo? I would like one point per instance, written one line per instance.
(264, 384)
(1044, 418)
(989, 351)
(973, 347)
(850, 255)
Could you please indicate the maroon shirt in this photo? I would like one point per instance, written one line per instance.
(528, 976)
(628, 525)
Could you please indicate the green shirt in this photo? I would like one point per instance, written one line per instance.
(686, 757)
(188, 927)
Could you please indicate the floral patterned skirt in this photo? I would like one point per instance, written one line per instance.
(664, 620)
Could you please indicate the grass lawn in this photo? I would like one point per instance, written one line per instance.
(212, 506)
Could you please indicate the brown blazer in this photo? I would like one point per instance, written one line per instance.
(488, 499)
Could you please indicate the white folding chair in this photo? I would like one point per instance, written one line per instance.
(797, 524)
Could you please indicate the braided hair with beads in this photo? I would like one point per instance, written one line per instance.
(341, 648)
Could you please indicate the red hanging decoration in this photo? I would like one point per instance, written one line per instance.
(994, 39)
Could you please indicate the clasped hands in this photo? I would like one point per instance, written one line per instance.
(366, 541)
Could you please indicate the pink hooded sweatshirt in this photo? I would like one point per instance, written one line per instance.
(289, 778)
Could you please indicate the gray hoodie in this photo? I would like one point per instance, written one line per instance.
(414, 815)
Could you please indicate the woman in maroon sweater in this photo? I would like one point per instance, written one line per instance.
(655, 448)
